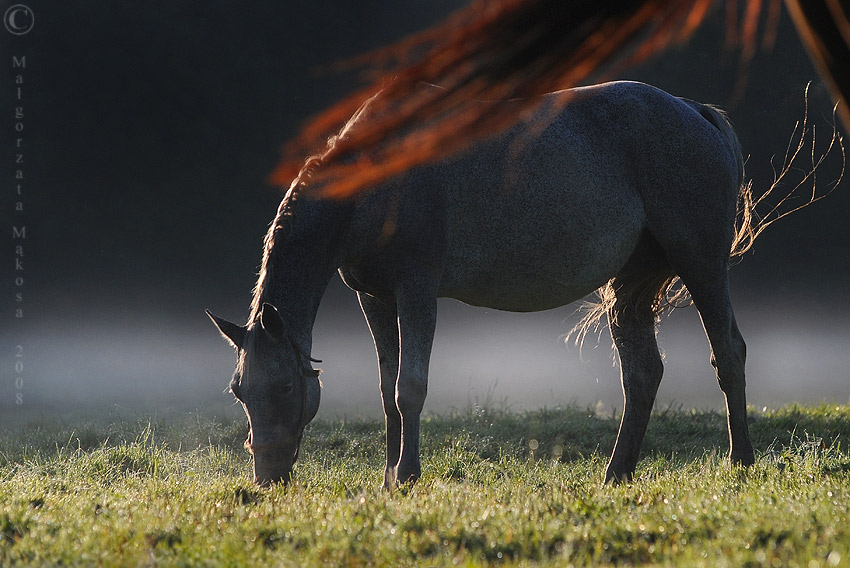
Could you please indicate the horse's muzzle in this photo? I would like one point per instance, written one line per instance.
(273, 463)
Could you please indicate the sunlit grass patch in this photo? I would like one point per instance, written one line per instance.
(498, 488)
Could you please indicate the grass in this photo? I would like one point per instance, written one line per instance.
(498, 488)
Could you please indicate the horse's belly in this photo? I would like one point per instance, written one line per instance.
(526, 275)
(528, 294)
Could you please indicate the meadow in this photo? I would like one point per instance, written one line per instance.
(499, 488)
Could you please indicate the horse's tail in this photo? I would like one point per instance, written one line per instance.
(749, 225)
(667, 290)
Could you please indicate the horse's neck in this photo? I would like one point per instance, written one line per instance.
(300, 259)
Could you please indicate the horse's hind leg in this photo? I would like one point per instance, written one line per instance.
(633, 331)
(632, 322)
(383, 322)
(728, 356)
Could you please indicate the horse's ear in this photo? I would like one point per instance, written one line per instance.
(271, 321)
(234, 334)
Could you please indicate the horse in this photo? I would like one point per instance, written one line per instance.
(619, 187)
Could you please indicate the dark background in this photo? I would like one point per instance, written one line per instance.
(151, 127)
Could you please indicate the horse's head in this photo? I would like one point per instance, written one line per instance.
(278, 389)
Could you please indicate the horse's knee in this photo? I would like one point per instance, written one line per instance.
(731, 379)
(640, 360)
(654, 368)
(740, 348)
(388, 394)
(410, 395)
(642, 377)
(730, 365)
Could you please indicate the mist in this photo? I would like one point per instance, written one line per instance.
(481, 358)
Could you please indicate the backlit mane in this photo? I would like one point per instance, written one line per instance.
(282, 222)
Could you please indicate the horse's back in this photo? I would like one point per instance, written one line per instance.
(549, 211)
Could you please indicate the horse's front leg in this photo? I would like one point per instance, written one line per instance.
(382, 318)
(417, 318)
(633, 330)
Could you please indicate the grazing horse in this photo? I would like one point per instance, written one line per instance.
(624, 189)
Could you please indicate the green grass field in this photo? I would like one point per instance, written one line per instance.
(498, 488)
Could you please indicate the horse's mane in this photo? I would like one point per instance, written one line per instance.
(281, 226)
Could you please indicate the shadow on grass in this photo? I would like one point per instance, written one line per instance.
(571, 432)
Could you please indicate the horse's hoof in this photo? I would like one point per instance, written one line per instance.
(407, 473)
(408, 481)
(744, 459)
(615, 478)
(389, 479)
